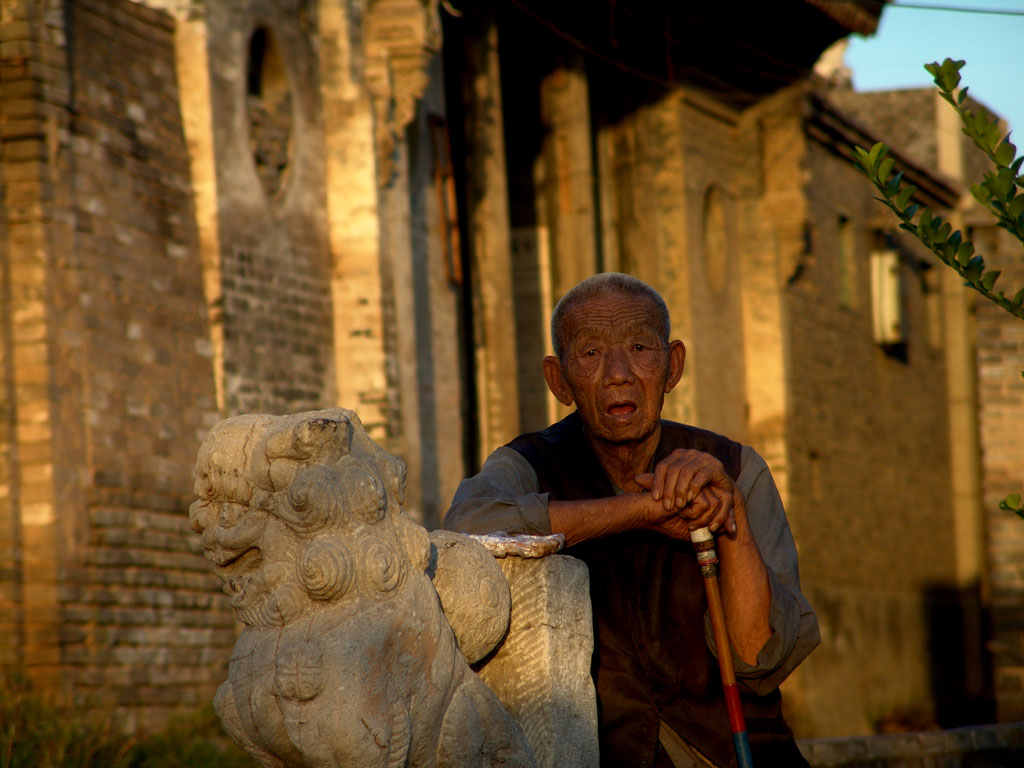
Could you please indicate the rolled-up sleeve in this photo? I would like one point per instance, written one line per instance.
(503, 496)
(793, 624)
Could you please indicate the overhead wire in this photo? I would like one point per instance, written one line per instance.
(931, 7)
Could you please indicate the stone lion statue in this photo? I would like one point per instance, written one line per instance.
(346, 657)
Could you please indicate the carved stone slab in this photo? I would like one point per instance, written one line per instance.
(541, 672)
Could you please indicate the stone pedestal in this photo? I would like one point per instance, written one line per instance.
(541, 672)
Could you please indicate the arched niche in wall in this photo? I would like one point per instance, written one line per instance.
(716, 258)
(269, 108)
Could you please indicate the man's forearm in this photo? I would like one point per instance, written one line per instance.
(746, 595)
(581, 521)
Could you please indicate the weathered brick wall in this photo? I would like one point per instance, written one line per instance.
(999, 343)
(33, 95)
(272, 221)
(120, 319)
(9, 593)
(1000, 339)
(717, 366)
(885, 114)
(868, 447)
(142, 617)
(647, 232)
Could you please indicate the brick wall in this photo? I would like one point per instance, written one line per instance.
(868, 453)
(275, 270)
(1000, 340)
(126, 387)
(139, 602)
(9, 538)
(34, 90)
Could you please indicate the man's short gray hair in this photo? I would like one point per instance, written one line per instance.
(604, 284)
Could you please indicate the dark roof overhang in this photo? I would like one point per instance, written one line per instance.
(735, 52)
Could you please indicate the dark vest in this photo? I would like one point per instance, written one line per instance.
(651, 660)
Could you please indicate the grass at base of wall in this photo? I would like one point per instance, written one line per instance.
(36, 733)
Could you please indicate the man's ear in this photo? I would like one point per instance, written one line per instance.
(676, 363)
(556, 381)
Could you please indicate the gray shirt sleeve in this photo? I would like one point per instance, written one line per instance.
(505, 496)
(793, 623)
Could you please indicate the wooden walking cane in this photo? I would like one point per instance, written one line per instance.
(704, 543)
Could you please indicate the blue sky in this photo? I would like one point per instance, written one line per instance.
(908, 37)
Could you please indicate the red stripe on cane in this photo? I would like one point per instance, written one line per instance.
(732, 703)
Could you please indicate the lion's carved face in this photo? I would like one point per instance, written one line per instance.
(299, 511)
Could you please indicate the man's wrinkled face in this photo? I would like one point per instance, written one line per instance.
(617, 367)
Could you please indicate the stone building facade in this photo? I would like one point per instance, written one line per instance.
(277, 205)
(990, 394)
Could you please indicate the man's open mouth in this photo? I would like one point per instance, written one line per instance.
(621, 409)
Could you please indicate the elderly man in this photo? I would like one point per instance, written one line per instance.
(625, 488)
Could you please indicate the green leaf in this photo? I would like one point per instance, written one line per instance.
(910, 211)
(860, 159)
(885, 168)
(1002, 183)
(877, 153)
(964, 253)
(904, 196)
(981, 193)
(1005, 153)
(962, 96)
(1018, 298)
(948, 75)
(993, 137)
(1011, 503)
(1016, 207)
(990, 278)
